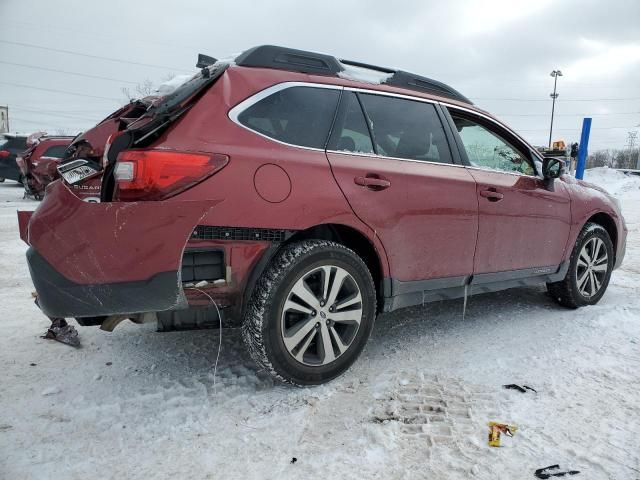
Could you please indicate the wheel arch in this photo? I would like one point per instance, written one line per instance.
(346, 235)
(608, 223)
(354, 240)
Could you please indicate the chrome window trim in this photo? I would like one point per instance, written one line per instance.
(374, 155)
(391, 94)
(235, 112)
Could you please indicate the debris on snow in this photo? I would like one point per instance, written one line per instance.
(545, 472)
(496, 429)
(62, 332)
(521, 389)
(294, 460)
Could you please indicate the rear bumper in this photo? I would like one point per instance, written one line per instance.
(91, 259)
(60, 297)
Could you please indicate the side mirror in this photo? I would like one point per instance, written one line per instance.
(552, 168)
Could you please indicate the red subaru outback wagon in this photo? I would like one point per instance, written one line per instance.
(302, 195)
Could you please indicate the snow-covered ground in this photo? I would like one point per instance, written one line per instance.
(145, 405)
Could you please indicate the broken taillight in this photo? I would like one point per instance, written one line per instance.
(159, 174)
(78, 170)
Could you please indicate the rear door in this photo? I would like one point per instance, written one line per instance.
(391, 159)
(522, 225)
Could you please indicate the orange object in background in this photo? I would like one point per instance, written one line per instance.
(496, 429)
(559, 145)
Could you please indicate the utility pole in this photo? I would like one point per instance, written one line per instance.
(631, 136)
(555, 74)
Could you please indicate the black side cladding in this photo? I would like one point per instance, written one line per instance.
(206, 232)
(60, 297)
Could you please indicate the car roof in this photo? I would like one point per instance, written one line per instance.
(313, 63)
(274, 76)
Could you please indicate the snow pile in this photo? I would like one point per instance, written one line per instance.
(169, 86)
(613, 181)
(365, 75)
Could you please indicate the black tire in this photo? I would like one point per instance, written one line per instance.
(264, 319)
(1, 179)
(567, 292)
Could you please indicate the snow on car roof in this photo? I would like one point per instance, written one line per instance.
(363, 74)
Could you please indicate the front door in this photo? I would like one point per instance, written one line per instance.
(522, 225)
(396, 171)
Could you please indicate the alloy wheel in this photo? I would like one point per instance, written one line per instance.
(321, 315)
(593, 263)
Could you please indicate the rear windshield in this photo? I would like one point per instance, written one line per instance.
(188, 88)
(57, 151)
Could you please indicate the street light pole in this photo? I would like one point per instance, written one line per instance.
(555, 74)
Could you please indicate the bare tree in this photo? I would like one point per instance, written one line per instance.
(141, 90)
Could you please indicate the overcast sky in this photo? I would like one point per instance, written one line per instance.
(499, 53)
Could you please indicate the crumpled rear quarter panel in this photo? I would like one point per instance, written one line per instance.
(98, 243)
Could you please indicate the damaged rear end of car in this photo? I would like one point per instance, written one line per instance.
(107, 242)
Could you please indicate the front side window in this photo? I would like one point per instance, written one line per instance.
(487, 150)
(406, 128)
(296, 115)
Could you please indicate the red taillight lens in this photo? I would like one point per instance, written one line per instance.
(4, 153)
(159, 174)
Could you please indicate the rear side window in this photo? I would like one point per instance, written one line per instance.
(296, 115)
(56, 151)
(406, 129)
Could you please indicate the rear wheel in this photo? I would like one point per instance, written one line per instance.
(311, 312)
(589, 271)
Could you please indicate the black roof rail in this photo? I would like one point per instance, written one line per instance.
(270, 56)
(368, 66)
(282, 58)
(424, 84)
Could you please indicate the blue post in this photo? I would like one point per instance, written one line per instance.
(584, 145)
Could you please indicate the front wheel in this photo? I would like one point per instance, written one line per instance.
(311, 312)
(590, 268)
